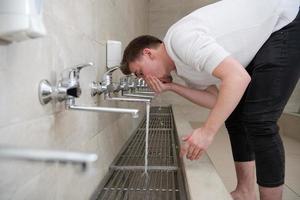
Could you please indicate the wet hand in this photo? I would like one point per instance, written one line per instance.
(195, 144)
(156, 85)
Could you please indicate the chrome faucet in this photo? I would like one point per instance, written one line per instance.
(133, 88)
(48, 156)
(68, 88)
(106, 85)
(142, 87)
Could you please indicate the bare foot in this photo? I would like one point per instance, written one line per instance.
(239, 195)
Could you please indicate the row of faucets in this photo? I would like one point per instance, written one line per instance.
(126, 83)
(67, 89)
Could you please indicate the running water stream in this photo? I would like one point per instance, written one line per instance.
(147, 137)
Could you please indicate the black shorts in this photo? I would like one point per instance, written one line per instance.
(252, 126)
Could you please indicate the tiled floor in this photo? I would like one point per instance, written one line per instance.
(220, 154)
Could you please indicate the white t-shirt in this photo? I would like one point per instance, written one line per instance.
(199, 42)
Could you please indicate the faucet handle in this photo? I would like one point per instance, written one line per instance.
(112, 69)
(79, 67)
(73, 72)
(107, 76)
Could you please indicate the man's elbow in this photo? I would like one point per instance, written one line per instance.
(246, 78)
(243, 79)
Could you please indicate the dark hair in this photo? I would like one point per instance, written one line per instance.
(134, 49)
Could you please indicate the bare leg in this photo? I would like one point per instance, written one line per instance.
(274, 193)
(245, 189)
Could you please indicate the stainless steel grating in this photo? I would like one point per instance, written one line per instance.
(160, 110)
(161, 150)
(134, 185)
(158, 122)
(165, 181)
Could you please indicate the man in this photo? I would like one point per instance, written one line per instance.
(251, 49)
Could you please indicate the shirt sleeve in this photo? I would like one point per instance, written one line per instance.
(198, 50)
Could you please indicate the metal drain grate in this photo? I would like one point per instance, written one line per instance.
(158, 122)
(126, 180)
(160, 110)
(134, 185)
(161, 150)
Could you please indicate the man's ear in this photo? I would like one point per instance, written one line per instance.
(148, 52)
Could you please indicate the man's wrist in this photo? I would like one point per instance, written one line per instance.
(210, 130)
(170, 87)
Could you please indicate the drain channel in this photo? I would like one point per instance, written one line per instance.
(133, 185)
(158, 122)
(161, 150)
(126, 180)
(161, 110)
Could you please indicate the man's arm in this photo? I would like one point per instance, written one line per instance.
(234, 81)
(206, 98)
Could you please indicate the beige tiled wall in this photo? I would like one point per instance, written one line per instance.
(77, 31)
(163, 13)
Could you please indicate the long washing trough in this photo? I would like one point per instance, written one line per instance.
(165, 179)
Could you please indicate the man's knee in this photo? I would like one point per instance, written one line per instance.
(257, 127)
(262, 134)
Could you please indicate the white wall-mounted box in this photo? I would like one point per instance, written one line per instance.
(21, 20)
(113, 53)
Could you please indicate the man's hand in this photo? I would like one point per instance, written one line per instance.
(196, 143)
(156, 85)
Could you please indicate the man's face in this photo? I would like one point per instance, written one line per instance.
(150, 63)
